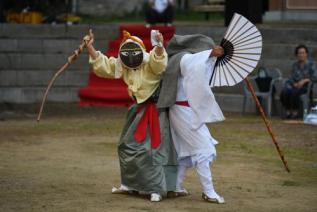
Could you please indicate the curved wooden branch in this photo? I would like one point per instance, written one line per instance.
(70, 60)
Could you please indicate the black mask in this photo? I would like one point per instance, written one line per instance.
(131, 55)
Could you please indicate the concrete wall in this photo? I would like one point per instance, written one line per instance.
(31, 54)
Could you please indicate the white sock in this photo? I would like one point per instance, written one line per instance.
(181, 171)
(205, 176)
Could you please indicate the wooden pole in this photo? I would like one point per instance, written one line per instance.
(268, 125)
(70, 60)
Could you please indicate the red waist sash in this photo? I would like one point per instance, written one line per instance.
(149, 117)
(182, 103)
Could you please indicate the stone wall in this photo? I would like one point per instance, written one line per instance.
(109, 7)
(31, 54)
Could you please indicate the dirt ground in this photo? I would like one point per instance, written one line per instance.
(68, 162)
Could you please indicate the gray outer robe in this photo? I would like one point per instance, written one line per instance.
(177, 47)
(143, 168)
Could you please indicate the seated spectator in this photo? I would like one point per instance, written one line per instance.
(303, 72)
(5, 5)
(159, 11)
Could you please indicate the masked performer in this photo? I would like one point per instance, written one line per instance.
(146, 153)
(192, 105)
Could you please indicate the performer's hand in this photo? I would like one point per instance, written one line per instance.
(159, 50)
(159, 37)
(89, 40)
(217, 52)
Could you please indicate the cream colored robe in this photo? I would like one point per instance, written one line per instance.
(142, 81)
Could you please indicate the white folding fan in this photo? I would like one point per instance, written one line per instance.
(242, 46)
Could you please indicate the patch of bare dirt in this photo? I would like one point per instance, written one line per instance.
(70, 163)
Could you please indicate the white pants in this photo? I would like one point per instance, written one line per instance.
(201, 163)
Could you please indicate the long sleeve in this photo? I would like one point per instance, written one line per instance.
(103, 66)
(295, 77)
(308, 71)
(157, 63)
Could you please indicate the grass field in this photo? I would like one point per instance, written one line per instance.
(68, 162)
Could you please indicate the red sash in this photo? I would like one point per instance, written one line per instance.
(149, 117)
(182, 103)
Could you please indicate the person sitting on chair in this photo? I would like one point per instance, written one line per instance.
(159, 11)
(303, 72)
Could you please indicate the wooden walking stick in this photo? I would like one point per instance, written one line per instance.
(268, 126)
(70, 60)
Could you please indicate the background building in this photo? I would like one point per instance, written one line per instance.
(291, 10)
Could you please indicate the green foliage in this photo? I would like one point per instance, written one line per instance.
(180, 15)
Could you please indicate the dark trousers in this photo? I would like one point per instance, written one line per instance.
(153, 17)
(290, 97)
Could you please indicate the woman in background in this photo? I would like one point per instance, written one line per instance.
(303, 72)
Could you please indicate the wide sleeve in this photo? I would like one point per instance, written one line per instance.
(157, 63)
(103, 66)
(196, 70)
